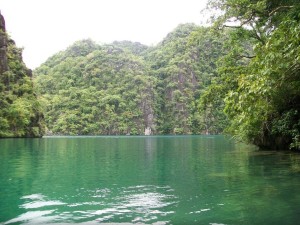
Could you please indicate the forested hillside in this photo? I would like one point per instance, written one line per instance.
(20, 111)
(184, 64)
(241, 76)
(125, 87)
(93, 89)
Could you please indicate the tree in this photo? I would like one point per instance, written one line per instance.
(261, 91)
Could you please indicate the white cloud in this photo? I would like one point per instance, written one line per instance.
(48, 26)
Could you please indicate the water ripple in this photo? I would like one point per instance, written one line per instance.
(35, 217)
(38, 201)
(135, 204)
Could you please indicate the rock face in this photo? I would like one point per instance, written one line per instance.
(3, 46)
(20, 111)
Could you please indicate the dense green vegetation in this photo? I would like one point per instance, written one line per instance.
(125, 87)
(93, 89)
(184, 64)
(20, 111)
(260, 85)
(241, 75)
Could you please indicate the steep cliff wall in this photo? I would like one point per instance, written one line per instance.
(3, 46)
(20, 112)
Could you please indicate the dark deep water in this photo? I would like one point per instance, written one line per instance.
(146, 180)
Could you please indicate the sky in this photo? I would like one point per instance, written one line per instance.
(45, 27)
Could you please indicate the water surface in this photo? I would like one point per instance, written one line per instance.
(146, 180)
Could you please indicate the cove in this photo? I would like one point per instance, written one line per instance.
(146, 180)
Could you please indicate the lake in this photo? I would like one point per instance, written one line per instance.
(156, 180)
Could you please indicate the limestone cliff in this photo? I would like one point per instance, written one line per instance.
(20, 112)
(3, 46)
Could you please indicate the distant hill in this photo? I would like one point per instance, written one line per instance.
(130, 88)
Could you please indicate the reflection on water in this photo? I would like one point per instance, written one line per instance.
(37, 201)
(138, 204)
(146, 180)
(34, 217)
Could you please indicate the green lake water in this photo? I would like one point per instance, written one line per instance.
(146, 180)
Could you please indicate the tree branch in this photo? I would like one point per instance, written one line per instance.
(279, 8)
(242, 22)
(248, 56)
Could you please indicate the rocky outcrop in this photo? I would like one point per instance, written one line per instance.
(2, 23)
(20, 112)
(3, 46)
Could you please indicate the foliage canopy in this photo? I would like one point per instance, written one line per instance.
(125, 87)
(261, 86)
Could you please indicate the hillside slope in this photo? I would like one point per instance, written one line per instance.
(127, 88)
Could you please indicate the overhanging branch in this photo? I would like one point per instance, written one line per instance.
(279, 8)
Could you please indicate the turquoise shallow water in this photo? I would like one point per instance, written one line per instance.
(146, 180)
